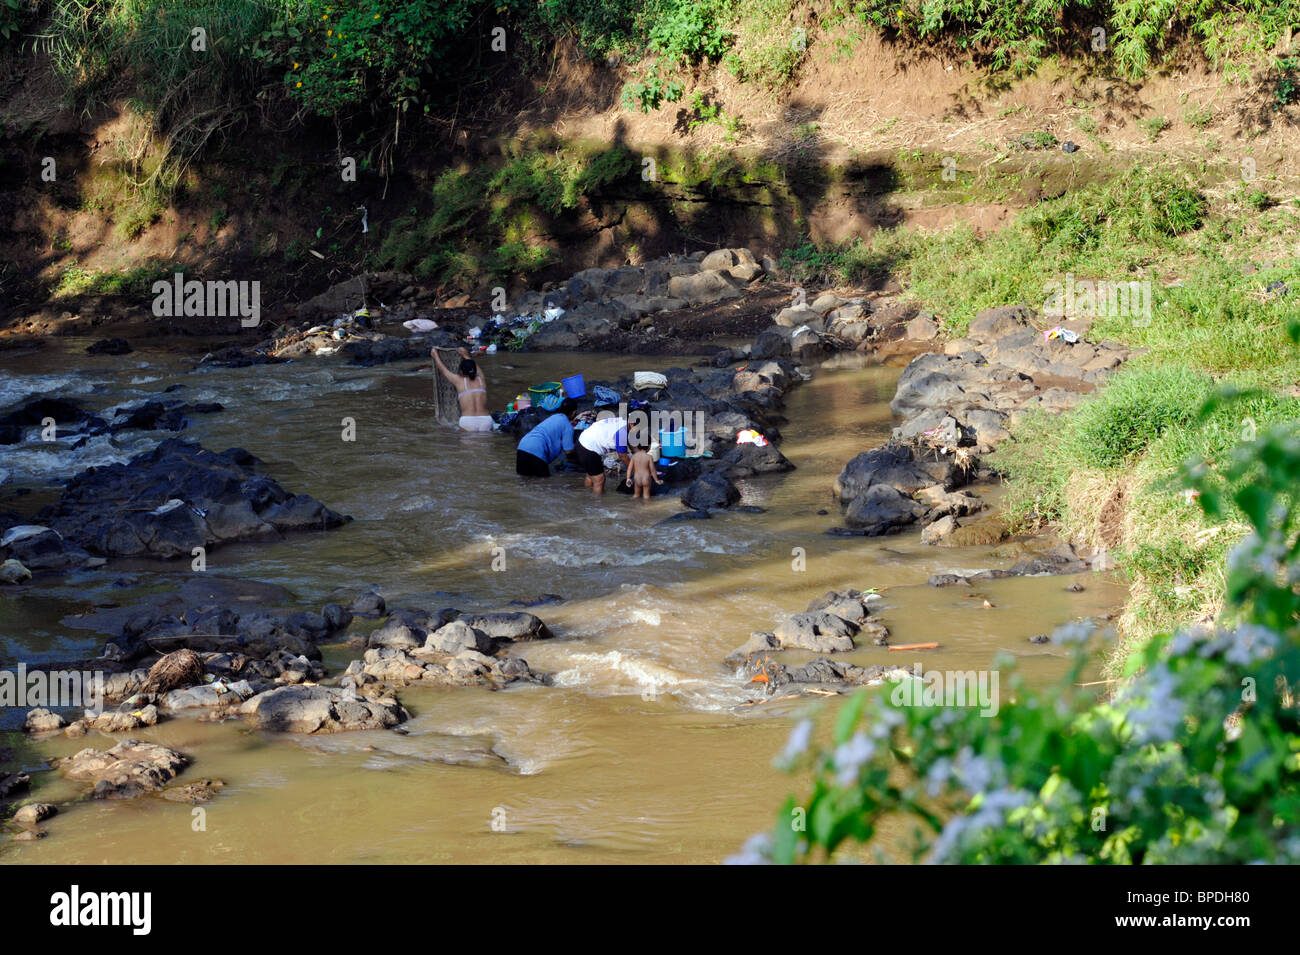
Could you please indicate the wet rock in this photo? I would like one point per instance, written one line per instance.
(426, 667)
(939, 531)
(308, 625)
(948, 503)
(129, 769)
(117, 721)
(369, 604)
(760, 642)
(12, 783)
(215, 696)
(160, 416)
(34, 812)
(824, 674)
(685, 516)
(320, 709)
(176, 497)
(821, 632)
(195, 793)
(37, 547)
(512, 627)
(335, 617)
(948, 580)
(41, 720)
(747, 460)
(711, 491)
(13, 572)
(895, 466)
(881, 509)
(1040, 638)
(772, 342)
(109, 346)
(457, 636)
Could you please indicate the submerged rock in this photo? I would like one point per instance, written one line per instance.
(321, 709)
(131, 768)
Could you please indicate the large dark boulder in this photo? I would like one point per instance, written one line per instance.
(893, 465)
(711, 490)
(746, 460)
(179, 496)
(881, 509)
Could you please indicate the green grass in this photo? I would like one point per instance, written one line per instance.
(1106, 472)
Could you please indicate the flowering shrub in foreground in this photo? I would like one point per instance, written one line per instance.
(1194, 759)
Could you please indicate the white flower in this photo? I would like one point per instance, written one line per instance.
(1077, 632)
(756, 851)
(797, 745)
(850, 757)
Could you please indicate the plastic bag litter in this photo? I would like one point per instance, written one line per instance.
(750, 436)
(552, 313)
(420, 324)
(1062, 333)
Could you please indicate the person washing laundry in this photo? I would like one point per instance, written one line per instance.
(471, 391)
(547, 441)
(600, 439)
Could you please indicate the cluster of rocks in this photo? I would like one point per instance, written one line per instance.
(833, 623)
(447, 648)
(217, 663)
(162, 503)
(956, 407)
(598, 302)
(25, 422)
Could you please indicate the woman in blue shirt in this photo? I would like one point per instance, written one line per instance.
(539, 447)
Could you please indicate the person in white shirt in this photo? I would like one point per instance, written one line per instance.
(604, 436)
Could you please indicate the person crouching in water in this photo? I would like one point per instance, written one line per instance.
(542, 445)
(641, 471)
(593, 444)
(471, 392)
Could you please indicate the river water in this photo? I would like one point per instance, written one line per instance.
(643, 750)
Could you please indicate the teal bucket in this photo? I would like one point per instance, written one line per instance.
(575, 386)
(672, 444)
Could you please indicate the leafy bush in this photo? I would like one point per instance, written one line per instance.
(1193, 760)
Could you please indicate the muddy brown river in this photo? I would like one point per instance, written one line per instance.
(643, 750)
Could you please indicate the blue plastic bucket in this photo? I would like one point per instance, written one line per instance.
(672, 444)
(574, 386)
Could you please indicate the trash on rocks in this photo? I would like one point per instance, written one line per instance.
(1062, 333)
(643, 380)
(750, 436)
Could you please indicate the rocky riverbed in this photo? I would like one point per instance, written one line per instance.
(351, 664)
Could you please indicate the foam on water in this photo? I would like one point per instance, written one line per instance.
(37, 461)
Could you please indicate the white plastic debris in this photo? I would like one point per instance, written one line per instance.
(420, 325)
(21, 532)
(552, 313)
